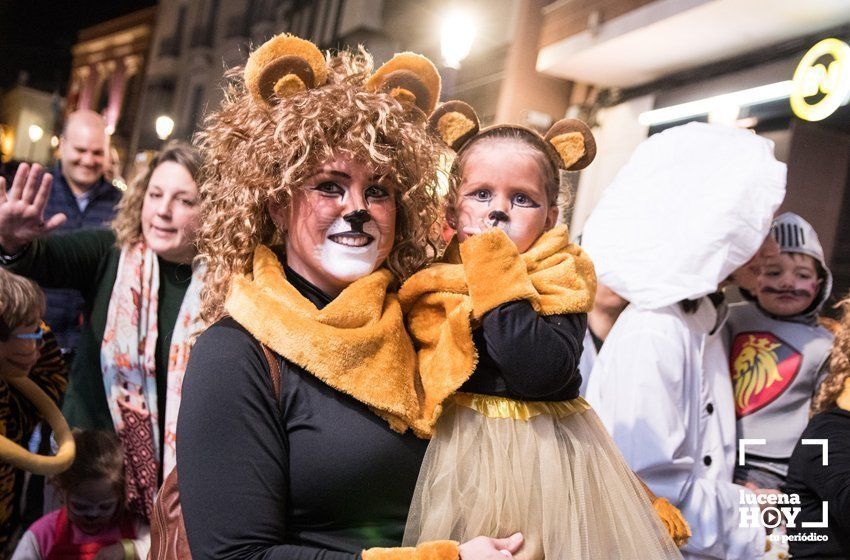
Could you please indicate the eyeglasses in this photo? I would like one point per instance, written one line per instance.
(38, 336)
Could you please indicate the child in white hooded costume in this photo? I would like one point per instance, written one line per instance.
(694, 204)
(779, 352)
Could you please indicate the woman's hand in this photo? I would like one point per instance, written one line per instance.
(487, 548)
(22, 208)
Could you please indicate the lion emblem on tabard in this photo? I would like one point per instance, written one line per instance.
(762, 366)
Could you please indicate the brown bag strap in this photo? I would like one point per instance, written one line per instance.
(274, 370)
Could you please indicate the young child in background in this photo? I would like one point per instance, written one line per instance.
(93, 523)
(27, 348)
(502, 319)
(779, 351)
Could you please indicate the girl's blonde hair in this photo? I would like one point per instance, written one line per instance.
(839, 364)
(254, 155)
(128, 218)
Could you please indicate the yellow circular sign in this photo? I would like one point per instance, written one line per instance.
(829, 78)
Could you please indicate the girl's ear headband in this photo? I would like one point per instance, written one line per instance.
(573, 142)
(286, 65)
(569, 142)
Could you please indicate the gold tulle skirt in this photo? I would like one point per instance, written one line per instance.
(548, 469)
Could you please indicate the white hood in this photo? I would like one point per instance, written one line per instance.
(693, 204)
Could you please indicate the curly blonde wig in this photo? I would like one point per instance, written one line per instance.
(255, 154)
(839, 364)
(127, 224)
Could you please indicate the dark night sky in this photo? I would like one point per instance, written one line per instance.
(37, 35)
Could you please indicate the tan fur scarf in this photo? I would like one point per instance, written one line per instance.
(356, 344)
(443, 303)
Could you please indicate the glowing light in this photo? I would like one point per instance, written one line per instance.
(727, 115)
(719, 103)
(54, 141)
(35, 132)
(812, 78)
(164, 126)
(456, 36)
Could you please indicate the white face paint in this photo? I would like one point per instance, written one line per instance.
(349, 255)
(499, 224)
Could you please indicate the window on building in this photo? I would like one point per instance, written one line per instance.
(196, 108)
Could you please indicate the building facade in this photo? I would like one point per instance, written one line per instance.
(29, 121)
(196, 40)
(107, 72)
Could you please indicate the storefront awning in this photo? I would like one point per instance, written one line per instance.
(668, 36)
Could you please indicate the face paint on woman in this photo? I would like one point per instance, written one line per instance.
(340, 226)
(351, 248)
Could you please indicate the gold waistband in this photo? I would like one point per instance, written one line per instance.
(500, 407)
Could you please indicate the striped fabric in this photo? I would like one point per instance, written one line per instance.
(18, 419)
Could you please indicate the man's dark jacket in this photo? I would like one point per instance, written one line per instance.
(65, 307)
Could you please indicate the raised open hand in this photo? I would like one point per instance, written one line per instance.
(22, 208)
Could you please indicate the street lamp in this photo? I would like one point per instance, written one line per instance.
(456, 36)
(35, 134)
(164, 127)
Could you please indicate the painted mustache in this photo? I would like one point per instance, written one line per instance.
(793, 293)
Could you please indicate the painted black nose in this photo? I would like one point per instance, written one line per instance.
(357, 218)
(498, 216)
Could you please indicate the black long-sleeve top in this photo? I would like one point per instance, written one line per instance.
(316, 476)
(816, 483)
(526, 356)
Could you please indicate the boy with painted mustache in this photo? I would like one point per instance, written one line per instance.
(779, 352)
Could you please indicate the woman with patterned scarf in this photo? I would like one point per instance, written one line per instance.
(143, 299)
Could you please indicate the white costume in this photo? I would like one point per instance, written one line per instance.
(694, 203)
(588, 358)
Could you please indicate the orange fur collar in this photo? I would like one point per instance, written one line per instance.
(356, 344)
(442, 303)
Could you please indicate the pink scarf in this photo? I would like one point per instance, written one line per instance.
(127, 358)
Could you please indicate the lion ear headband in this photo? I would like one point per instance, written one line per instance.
(569, 142)
(286, 65)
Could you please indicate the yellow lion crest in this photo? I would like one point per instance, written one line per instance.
(755, 369)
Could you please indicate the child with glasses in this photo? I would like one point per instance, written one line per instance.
(93, 522)
(27, 348)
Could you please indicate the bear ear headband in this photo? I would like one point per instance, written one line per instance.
(569, 142)
(410, 78)
(283, 66)
(286, 65)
